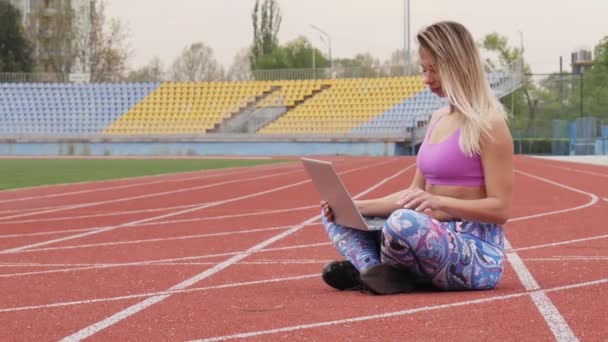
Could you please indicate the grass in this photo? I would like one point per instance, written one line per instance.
(19, 173)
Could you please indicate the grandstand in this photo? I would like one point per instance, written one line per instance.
(392, 110)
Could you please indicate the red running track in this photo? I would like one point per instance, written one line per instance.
(236, 254)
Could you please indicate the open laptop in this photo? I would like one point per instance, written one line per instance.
(332, 190)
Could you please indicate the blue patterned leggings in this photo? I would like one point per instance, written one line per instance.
(452, 255)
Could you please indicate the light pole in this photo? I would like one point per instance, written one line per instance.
(331, 64)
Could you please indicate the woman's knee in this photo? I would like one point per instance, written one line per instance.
(396, 233)
(404, 222)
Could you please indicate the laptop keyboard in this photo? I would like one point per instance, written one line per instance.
(375, 223)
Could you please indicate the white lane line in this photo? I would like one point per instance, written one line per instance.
(594, 198)
(174, 238)
(154, 262)
(576, 170)
(51, 232)
(136, 181)
(133, 309)
(133, 223)
(113, 188)
(256, 282)
(76, 267)
(400, 313)
(152, 294)
(13, 211)
(119, 316)
(559, 243)
(156, 194)
(265, 281)
(556, 322)
(98, 214)
(161, 223)
(565, 258)
(525, 277)
(221, 217)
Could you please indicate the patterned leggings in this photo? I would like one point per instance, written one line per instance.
(452, 255)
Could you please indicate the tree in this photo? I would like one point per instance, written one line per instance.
(108, 47)
(394, 66)
(363, 65)
(82, 43)
(195, 64)
(240, 70)
(266, 24)
(152, 72)
(299, 54)
(51, 31)
(15, 49)
(595, 88)
(507, 56)
(296, 54)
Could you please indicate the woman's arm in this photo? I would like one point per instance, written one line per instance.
(497, 161)
(384, 206)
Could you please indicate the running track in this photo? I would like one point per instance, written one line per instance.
(236, 254)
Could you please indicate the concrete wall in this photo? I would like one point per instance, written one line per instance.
(288, 148)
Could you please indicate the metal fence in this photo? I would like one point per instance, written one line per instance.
(259, 75)
(560, 115)
(23, 77)
(337, 72)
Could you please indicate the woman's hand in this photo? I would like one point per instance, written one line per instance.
(419, 200)
(329, 215)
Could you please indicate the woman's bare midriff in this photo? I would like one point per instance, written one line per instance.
(460, 192)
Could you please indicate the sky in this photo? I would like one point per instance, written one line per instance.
(548, 28)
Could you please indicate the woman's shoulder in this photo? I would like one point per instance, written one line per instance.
(497, 119)
(497, 127)
(442, 110)
(439, 112)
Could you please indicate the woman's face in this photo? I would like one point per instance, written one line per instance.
(431, 77)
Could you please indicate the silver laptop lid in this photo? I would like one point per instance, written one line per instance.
(330, 186)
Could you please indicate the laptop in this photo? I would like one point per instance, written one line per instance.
(330, 186)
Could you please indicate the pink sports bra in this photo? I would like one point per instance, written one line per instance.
(444, 163)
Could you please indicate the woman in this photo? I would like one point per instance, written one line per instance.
(445, 229)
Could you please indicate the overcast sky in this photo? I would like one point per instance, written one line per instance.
(550, 27)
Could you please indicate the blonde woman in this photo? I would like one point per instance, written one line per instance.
(445, 229)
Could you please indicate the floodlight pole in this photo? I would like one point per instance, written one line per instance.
(331, 64)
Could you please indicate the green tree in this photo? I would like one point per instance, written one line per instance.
(15, 49)
(299, 54)
(595, 87)
(266, 24)
(523, 103)
(296, 54)
(362, 65)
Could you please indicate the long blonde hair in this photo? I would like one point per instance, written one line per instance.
(463, 80)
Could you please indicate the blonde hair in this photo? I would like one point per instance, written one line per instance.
(463, 80)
